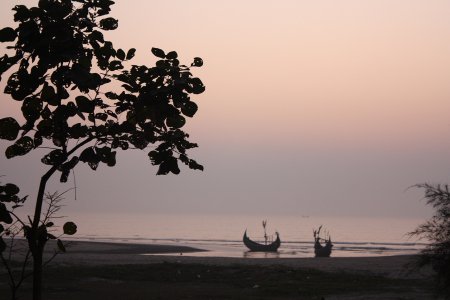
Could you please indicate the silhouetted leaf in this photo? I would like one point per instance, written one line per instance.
(54, 157)
(189, 109)
(158, 53)
(61, 246)
(96, 36)
(197, 86)
(11, 151)
(120, 54)
(90, 157)
(49, 95)
(176, 121)
(49, 224)
(78, 131)
(4, 214)
(109, 24)
(37, 140)
(93, 165)
(123, 145)
(129, 88)
(115, 65)
(106, 155)
(69, 228)
(64, 175)
(111, 161)
(131, 53)
(58, 141)
(169, 165)
(172, 55)
(111, 95)
(162, 64)
(46, 113)
(9, 129)
(155, 157)
(198, 62)
(21, 147)
(7, 62)
(11, 189)
(88, 154)
(8, 198)
(101, 116)
(26, 143)
(31, 108)
(84, 104)
(22, 13)
(194, 165)
(111, 113)
(7, 34)
(62, 92)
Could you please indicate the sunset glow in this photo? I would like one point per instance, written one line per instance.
(307, 103)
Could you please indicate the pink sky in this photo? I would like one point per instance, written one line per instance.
(311, 107)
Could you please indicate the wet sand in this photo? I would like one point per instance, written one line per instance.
(93, 270)
(97, 253)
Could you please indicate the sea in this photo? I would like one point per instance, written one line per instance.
(221, 234)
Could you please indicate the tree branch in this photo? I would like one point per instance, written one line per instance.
(43, 183)
(22, 274)
(8, 268)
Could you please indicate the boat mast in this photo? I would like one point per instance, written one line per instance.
(264, 223)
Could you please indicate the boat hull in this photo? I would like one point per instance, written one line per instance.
(323, 251)
(257, 247)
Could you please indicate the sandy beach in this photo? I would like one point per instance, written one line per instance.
(93, 270)
(98, 253)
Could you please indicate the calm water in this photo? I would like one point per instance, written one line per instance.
(222, 234)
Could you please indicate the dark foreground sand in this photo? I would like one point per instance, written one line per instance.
(91, 270)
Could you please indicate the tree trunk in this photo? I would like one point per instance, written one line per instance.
(36, 244)
(37, 275)
(36, 238)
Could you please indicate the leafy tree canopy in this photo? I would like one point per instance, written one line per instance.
(61, 70)
(60, 64)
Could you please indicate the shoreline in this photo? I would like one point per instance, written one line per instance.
(96, 270)
(94, 253)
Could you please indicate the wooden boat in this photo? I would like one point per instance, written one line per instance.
(319, 250)
(257, 247)
(323, 251)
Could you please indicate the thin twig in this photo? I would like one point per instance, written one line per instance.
(51, 258)
(8, 268)
(22, 273)
(18, 219)
(74, 184)
(11, 247)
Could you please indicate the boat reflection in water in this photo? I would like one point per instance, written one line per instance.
(263, 255)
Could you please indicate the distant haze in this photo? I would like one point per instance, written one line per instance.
(311, 108)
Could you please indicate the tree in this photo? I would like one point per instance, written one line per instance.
(437, 231)
(59, 69)
(12, 250)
